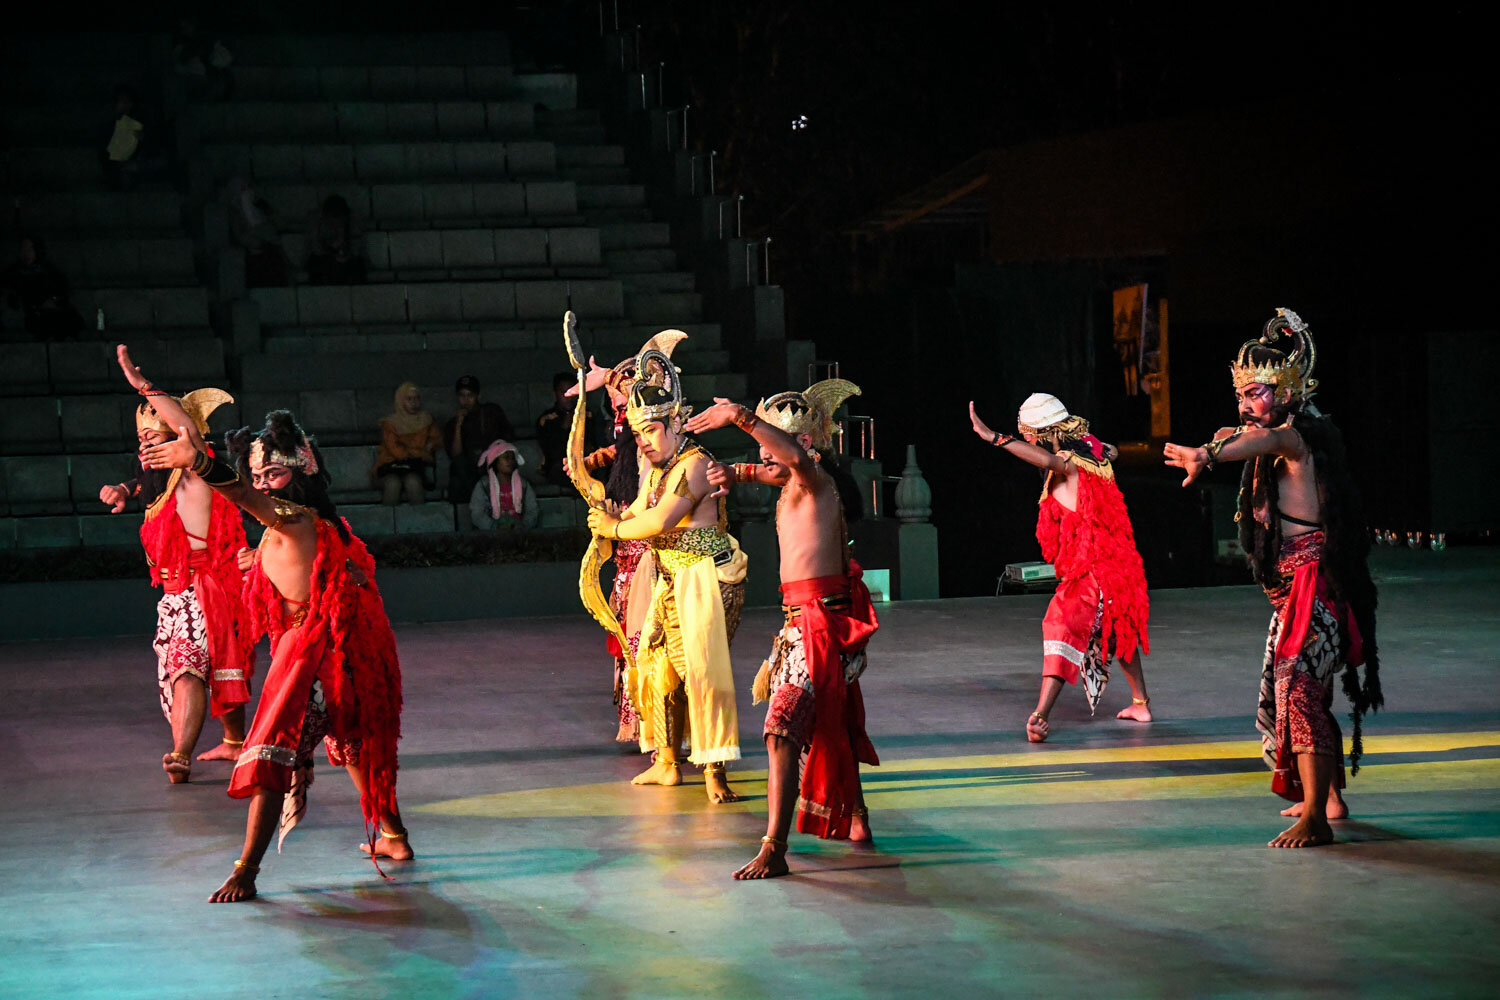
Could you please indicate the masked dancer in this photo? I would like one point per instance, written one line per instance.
(334, 675)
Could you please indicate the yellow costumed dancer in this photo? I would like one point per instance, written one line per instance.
(687, 593)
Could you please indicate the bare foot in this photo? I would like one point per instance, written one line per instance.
(859, 829)
(716, 782)
(224, 751)
(177, 766)
(237, 888)
(1037, 729)
(659, 773)
(1304, 833)
(1336, 808)
(395, 848)
(769, 863)
(1135, 713)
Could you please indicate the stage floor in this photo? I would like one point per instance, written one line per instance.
(1115, 860)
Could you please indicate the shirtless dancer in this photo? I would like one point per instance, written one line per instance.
(687, 592)
(192, 538)
(812, 676)
(1304, 535)
(333, 671)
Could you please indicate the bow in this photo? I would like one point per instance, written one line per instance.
(592, 491)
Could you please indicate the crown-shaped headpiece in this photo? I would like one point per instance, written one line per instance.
(1291, 370)
(621, 377)
(655, 391)
(809, 411)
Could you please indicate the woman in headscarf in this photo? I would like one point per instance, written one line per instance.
(502, 499)
(409, 441)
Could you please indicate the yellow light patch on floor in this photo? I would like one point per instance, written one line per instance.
(1028, 786)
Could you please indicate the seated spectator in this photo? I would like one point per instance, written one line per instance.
(120, 157)
(35, 286)
(333, 256)
(252, 227)
(552, 429)
(502, 500)
(408, 449)
(466, 435)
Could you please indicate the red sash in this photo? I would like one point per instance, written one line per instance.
(830, 778)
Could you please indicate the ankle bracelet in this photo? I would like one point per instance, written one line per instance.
(248, 867)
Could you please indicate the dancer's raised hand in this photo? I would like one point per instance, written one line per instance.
(721, 414)
(720, 477)
(177, 453)
(1190, 460)
(132, 373)
(980, 427)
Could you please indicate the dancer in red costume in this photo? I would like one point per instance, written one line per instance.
(812, 677)
(1100, 608)
(192, 537)
(334, 675)
(1303, 532)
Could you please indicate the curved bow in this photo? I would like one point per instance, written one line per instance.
(592, 491)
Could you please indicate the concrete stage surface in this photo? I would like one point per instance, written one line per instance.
(1116, 860)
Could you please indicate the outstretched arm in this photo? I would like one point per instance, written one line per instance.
(165, 406)
(1234, 444)
(1024, 450)
(179, 453)
(782, 446)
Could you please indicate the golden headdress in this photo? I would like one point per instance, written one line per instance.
(655, 391)
(621, 377)
(1261, 362)
(809, 411)
(198, 404)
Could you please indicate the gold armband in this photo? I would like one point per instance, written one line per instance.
(744, 419)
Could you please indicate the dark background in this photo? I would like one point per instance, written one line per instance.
(897, 94)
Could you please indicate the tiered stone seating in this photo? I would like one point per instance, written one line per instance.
(487, 201)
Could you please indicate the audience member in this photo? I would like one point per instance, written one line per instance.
(408, 449)
(466, 435)
(333, 256)
(552, 429)
(502, 500)
(121, 158)
(34, 286)
(252, 226)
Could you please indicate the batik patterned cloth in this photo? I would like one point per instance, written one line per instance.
(1305, 650)
(181, 644)
(789, 713)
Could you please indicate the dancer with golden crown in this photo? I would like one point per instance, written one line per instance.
(619, 463)
(1303, 532)
(812, 676)
(192, 537)
(687, 592)
(1100, 608)
(334, 675)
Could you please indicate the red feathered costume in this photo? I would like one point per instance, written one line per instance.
(334, 674)
(1100, 607)
(202, 625)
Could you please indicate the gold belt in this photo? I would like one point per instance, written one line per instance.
(833, 602)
